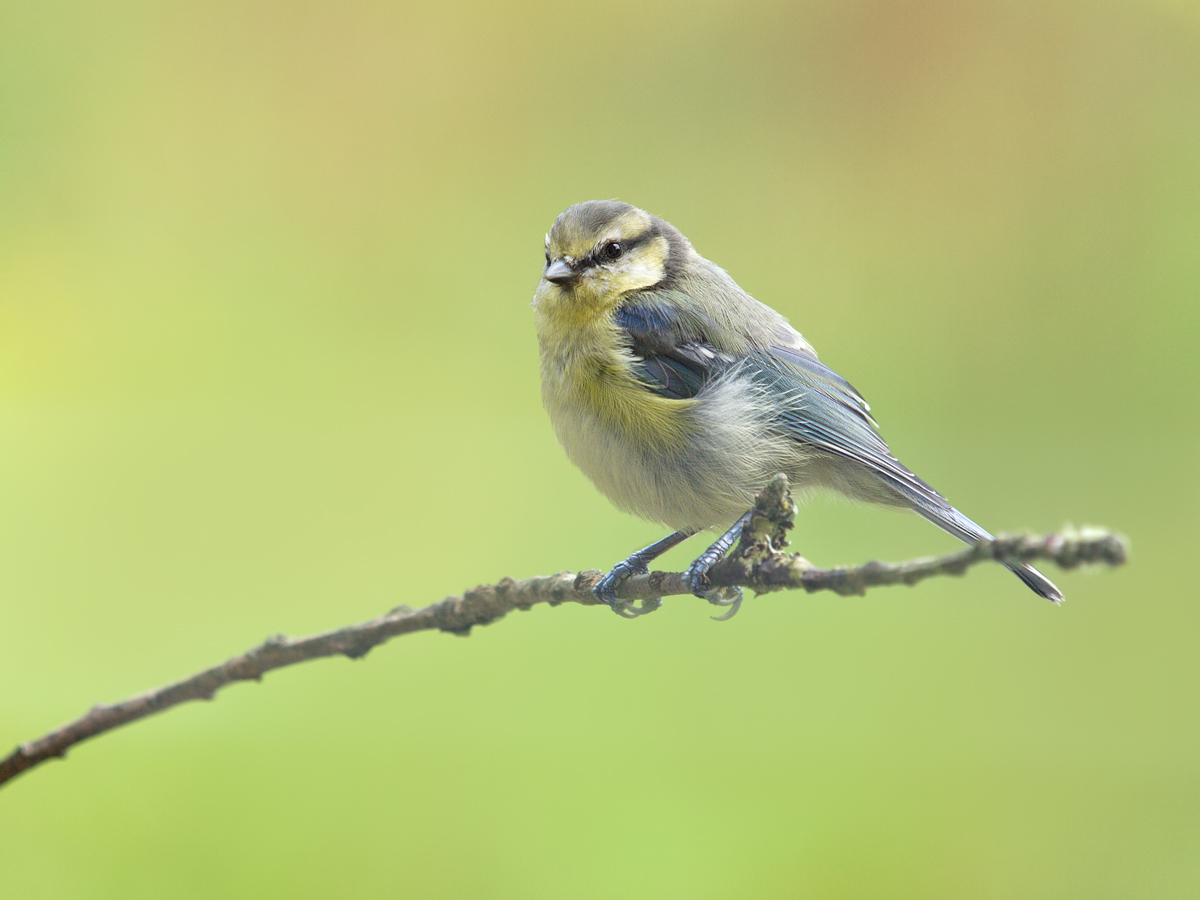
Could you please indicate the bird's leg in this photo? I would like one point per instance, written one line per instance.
(697, 573)
(606, 588)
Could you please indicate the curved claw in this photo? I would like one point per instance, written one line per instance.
(722, 596)
(731, 597)
(626, 610)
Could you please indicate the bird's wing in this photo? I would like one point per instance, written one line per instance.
(666, 358)
(824, 410)
(813, 404)
(674, 358)
(819, 405)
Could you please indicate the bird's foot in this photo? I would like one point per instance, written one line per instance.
(696, 576)
(697, 579)
(606, 590)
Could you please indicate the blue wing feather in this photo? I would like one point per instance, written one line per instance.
(667, 360)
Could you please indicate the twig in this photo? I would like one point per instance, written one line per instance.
(758, 563)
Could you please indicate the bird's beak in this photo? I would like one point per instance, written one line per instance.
(560, 272)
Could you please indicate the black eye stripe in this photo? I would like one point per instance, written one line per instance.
(597, 255)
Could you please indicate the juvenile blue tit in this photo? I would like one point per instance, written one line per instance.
(679, 395)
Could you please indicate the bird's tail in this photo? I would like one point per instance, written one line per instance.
(951, 520)
(931, 505)
(1037, 582)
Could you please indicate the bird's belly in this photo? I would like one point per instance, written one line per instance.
(701, 472)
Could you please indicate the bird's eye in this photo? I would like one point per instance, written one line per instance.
(612, 250)
(547, 257)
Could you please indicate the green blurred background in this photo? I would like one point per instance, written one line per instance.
(267, 364)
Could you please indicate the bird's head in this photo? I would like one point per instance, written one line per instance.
(599, 251)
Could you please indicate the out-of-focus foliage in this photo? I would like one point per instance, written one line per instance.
(267, 364)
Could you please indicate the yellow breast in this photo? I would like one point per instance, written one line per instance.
(588, 376)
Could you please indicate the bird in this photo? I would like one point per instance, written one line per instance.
(680, 396)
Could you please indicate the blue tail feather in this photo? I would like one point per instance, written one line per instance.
(951, 520)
